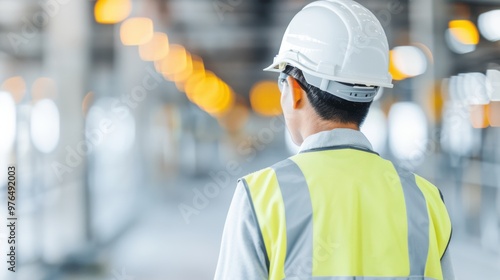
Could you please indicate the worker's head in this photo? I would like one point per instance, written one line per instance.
(305, 105)
(338, 55)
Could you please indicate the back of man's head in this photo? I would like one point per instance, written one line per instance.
(328, 106)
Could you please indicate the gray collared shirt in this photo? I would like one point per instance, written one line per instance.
(243, 253)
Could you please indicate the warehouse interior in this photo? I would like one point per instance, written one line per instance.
(130, 121)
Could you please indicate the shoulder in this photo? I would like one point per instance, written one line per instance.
(429, 190)
(261, 178)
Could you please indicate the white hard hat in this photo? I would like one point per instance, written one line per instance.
(335, 41)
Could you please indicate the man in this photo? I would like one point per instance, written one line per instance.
(336, 210)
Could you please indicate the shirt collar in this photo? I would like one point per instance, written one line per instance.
(336, 137)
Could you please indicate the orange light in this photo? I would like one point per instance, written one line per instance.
(219, 104)
(265, 98)
(156, 49)
(206, 89)
(183, 75)
(112, 11)
(174, 63)
(198, 65)
(15, 86)
(435, 102)
(192, 83)
(464, 31)
(87, 102)
(136, 31)
(479, 116)
(494, 113)
(395, 72)
(213, 96)
(195, 69)
(43, 88)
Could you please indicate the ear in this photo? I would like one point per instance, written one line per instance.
(297, 93)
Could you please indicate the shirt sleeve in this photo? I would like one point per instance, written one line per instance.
(447, 267)
(242, 254)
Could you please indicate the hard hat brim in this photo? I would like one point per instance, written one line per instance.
(276, 68)
(273, 68)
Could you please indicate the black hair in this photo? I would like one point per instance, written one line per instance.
(328, 106)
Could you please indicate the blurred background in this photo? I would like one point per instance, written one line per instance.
(129, 122)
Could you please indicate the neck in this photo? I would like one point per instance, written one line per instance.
(320, 125)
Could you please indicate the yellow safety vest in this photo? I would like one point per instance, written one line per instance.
(345, 213)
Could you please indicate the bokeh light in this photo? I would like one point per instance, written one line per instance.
(156, 48)
(464, 31)
(462, 36)
(136, 31)
(396, 74)
(175, 62)
(457, 136)
(87, 102)
(474, 87)
(265, 98)
(410, 61)
(493, 84)
(187, 79)
(45, 126)
(408, 134)
(192, 83)
(112, 11)
(15, 86)
(120, 137)
(185, 73)
(479, 116)
(494, 114)
(457, 46)
(212, 95)
(488, 24)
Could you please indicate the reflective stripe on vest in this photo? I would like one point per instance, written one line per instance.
(301, 240)
(418, 222)
(299, 228)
